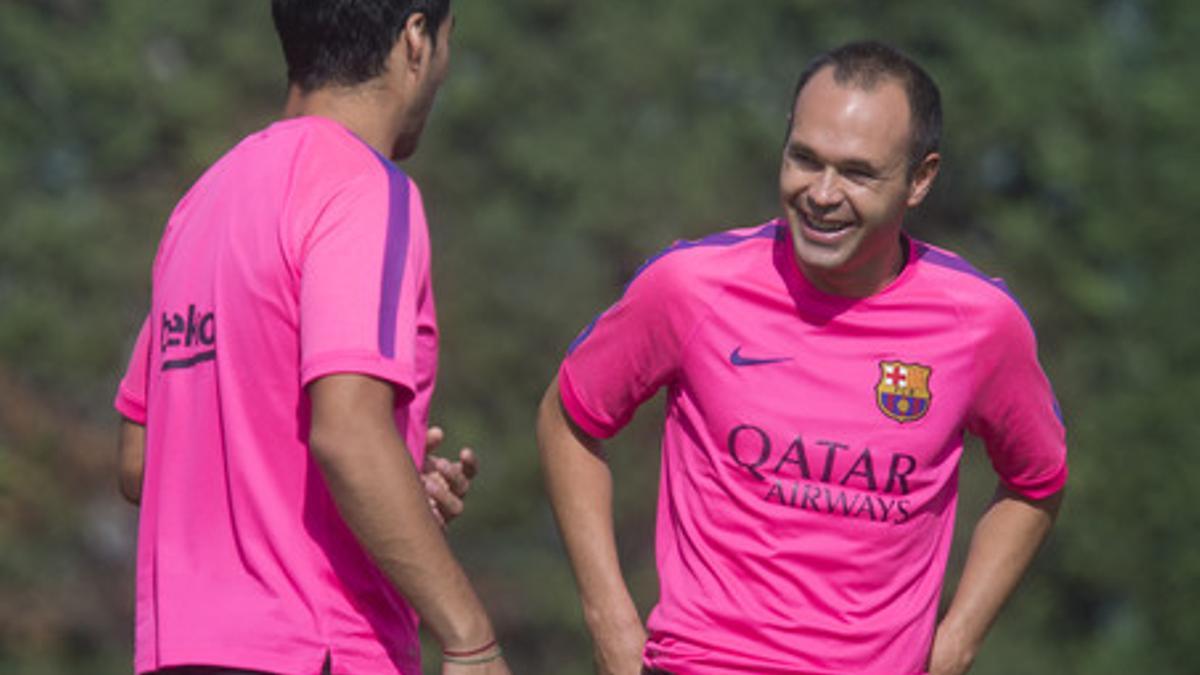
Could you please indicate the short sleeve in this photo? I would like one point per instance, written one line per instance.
(629, 351)
(1014, 410)
(363, 265)
(132, 391)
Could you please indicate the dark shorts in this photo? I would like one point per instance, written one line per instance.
(653, 671)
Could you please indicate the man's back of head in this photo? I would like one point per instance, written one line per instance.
(345, 43)
(394, 51)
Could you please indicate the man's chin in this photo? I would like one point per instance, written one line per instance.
(820, 255)
(820, 260)
(814, 245)
(404, 148)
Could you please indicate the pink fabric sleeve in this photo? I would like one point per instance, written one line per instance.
(1015, 412)
(131, 393)
(359, 282)
(629, 351)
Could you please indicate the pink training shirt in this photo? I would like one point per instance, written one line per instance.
(300, 253)
(811, 449)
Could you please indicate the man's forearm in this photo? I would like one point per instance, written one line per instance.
(1004, 543)
(579, 486)
(378, 493)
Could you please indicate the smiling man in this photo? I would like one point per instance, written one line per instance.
(821, 371)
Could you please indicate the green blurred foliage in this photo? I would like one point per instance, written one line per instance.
(572, 141)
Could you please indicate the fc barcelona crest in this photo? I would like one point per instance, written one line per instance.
(903, 390)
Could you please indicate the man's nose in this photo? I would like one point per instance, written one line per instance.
(825, 191)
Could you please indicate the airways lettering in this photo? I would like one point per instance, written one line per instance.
(794, 484)
(837, 502)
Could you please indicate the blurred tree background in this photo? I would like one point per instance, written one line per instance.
(571, 141)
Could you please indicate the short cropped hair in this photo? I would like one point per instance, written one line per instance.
(866, 65)
(345, 42)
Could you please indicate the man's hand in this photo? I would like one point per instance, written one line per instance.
(619, 651)
(1006, 538)
(579, 486)
(950, 655)
(379, 494)
(446, 483)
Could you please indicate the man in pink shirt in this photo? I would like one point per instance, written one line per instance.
(276, 403)
(820, 373)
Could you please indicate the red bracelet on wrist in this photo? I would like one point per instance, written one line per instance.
(469, 652)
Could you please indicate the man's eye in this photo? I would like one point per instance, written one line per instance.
(803, 159)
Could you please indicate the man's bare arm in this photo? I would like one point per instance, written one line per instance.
(1006, 538)
(379, 494)
(579, 485)
(131, 459)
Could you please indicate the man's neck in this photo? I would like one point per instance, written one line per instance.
(358, 109)
(865, 280)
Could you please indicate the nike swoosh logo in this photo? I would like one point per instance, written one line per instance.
(736, 358)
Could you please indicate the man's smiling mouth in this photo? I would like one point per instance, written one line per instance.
(821, 225)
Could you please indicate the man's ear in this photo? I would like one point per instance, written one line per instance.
(415, 40)
(922, 178)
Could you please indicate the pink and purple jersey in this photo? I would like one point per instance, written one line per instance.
(299, 254)
(811, 448)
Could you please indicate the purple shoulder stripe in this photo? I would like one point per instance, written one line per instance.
(942, 259)
(395, 256)
(930, 255)
(926, 253)
(768, 231)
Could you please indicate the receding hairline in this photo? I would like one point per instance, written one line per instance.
(870, 84)
(847, 78)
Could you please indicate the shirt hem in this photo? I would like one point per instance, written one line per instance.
(576, 410)
(130, 407)
(225, 657)
(1042, 489)
(359, 363)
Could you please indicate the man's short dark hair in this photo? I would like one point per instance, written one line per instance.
(868, 64)
(345, 42)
